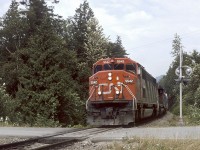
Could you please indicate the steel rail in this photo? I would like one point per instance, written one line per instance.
(36, 139)
(71, 141)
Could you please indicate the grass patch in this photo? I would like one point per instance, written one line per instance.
(173, 121)
(155, 144)
(7, 124)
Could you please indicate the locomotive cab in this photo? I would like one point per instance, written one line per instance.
(110, 78)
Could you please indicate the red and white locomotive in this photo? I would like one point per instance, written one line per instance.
(121, 91)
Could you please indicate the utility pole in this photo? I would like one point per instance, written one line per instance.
(182, 79)
(181, 123)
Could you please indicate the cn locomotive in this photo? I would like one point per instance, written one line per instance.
(121, 92)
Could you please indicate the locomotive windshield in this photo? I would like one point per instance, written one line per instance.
(118, 66)
(115, 66)
(131, 68)
(108, 67)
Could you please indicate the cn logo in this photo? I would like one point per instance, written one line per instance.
(100, 88)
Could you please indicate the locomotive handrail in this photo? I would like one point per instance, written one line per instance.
(86, 106)
(134, 98)
(91, 89)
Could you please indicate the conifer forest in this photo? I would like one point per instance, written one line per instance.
(46, 62)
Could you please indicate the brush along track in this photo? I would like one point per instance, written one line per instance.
(57, 140)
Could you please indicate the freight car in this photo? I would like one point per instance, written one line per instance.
(121, 91)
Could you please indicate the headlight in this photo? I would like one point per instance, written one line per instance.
(109, 78)
(109, 74)
(117, 92)
(99, 92)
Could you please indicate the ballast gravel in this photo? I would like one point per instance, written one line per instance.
(10, 140)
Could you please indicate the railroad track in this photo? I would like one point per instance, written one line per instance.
(55, 141)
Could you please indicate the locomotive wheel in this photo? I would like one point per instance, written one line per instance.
(154, 114)
(160, 111)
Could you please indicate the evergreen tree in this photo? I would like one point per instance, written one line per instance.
(168, 81)
(176, 45)
(88, 42)
(192, 91)
(116, 49)
(11, 32)
(80, 29)
(47, 90)
(12, 38)
(195, 56)
(47, 93)
(96, 45)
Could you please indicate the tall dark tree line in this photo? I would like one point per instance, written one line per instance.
(46, 62)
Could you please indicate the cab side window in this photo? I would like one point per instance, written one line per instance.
(97, 68)
(131, 68)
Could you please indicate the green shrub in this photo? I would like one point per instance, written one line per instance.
(42, 121)
(176, 109)
(194, 114)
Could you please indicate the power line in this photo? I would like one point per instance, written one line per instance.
(182, 36)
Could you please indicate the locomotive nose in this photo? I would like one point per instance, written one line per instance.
(110, 85)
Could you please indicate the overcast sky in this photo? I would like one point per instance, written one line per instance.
(146, 27)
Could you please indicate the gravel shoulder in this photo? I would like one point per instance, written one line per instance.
(130, 141)
(168, 120)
